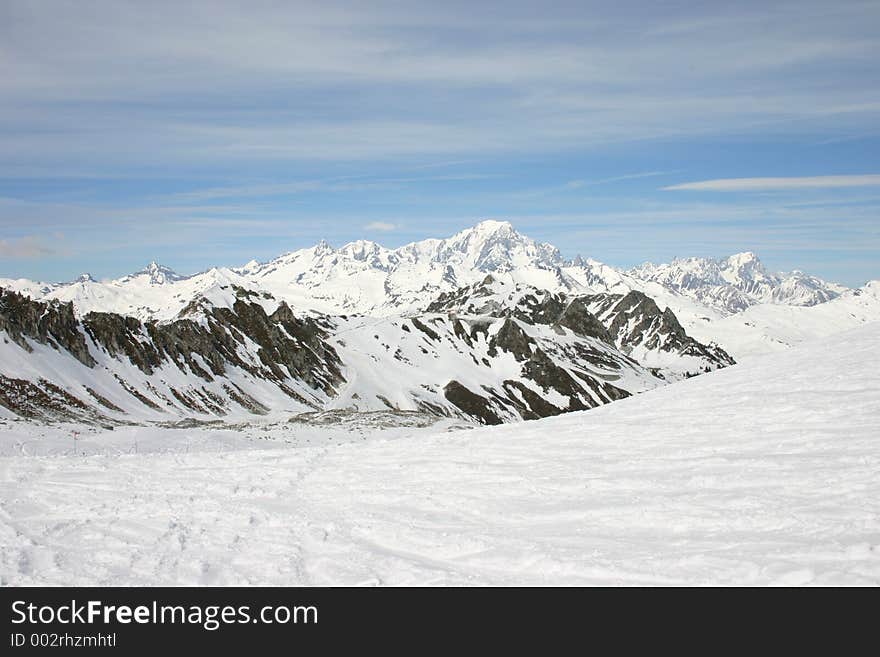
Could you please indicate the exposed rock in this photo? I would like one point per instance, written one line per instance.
(424, 329)
(511, 337)
(288, 350)
(579, 319)
(470, 403)
(46, 402)
(635, 320)
(50, 323)
(213, 360)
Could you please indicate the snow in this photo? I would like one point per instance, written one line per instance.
(732, 284)
(360, 277)
(763, 473)
(766, 328)
(110, 377)
(708, 296)
(385, 363)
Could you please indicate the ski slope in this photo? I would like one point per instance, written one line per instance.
(764, 473)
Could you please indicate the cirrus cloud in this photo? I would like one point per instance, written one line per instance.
(770, 184)
(383, 226)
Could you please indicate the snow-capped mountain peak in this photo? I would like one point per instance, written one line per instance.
(486, 324)
(363, 277)
(152, 274)
(745, 270)
(366, 251)
(496, 246)
(249, 267)
(160, 275)
(736, 282)
(323, 248)
(744, 258)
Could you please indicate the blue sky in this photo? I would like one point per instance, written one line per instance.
(627, 131)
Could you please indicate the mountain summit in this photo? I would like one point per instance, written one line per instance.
(495, 246)
(363, 276)
(154, 274)
(734, 283)
(368, 278)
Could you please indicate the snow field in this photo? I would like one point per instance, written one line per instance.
(764, 473)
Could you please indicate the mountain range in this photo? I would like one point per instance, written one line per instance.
(487, 325)
(365, 277)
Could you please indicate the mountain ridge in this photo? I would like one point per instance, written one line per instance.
(737, 282)
(255, 357)
(365, 277)
(709, 297)
(487, 326)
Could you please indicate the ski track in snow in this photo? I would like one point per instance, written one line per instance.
(764, 473)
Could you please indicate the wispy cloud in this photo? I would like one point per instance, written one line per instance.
(340, 185)
(577, 184)
(771, 184)
(28, 246)
(147, 129)
(383, 226)
(574, 185)
(328, 82)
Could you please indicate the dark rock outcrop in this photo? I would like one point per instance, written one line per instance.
(470, 403)
(288, 350)
(52, 324)
(635, 319)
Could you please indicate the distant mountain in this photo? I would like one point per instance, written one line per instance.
(360, 277)
(487, 325)
(152, 274)
(364, 277)
(765, 328)
(155, 292)
(733, 284)
(367, 278)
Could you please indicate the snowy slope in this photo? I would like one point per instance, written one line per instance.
(630, 321)
(235, 354)
(483, 368)
(237, 360)
(766, 473)
(766, 328)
